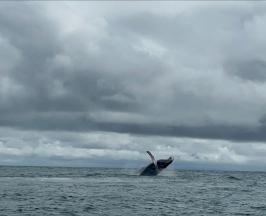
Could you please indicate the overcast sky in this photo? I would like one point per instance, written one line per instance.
(99, 83)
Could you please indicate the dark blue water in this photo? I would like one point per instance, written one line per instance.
(98, 191)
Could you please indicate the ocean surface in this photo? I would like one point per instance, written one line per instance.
(100, 191)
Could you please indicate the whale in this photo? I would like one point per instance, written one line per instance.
(156, 166)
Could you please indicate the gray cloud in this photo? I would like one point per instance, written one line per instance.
(149, 70)
(252, 70)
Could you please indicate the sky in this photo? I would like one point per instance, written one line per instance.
(99, 83)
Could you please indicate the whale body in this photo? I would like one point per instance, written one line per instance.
(156, 167)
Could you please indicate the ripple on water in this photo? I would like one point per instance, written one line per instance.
(84, 191)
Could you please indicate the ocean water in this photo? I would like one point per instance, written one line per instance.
(99, 191)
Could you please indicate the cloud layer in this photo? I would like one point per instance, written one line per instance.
(171, 71)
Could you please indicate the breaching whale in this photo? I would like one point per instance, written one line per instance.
(156, 167)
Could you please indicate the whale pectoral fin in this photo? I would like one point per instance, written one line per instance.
(153, 159)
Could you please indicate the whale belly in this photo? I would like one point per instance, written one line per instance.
(150, 170)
